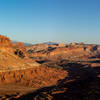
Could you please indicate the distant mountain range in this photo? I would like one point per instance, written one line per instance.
(50, 43)
(29, 44)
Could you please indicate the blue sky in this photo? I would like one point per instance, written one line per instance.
(37, 21)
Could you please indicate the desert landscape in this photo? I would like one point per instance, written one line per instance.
(49, 71)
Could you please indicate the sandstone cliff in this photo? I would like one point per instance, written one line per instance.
(5, 41)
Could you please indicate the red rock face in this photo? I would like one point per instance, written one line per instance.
(5, 41)
(19, 45)
(35, 77)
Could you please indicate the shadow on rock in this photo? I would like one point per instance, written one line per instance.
(83, 83)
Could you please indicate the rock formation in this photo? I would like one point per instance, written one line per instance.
(5, 41)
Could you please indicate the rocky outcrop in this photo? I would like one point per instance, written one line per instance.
(5, 41)
(18, 44)
(34, 77)
(11, 57)
(61, 44)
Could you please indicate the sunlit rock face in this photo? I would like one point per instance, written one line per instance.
(5, 41)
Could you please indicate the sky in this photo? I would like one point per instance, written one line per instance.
(37, 21)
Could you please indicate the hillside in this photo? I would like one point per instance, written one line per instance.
(49, 71)
(19, 74)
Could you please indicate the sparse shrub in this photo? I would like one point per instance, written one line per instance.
(19, 53)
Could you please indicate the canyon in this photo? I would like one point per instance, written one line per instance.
(49, 71)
